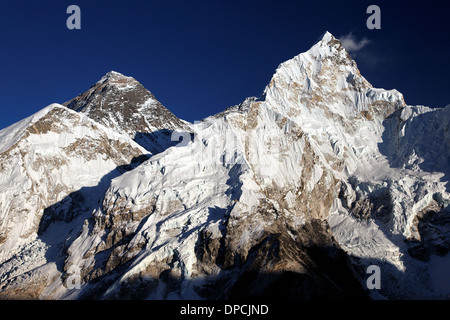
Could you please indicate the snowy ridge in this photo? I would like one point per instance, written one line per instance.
(10, 135)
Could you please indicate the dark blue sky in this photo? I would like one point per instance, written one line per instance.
(200, 57)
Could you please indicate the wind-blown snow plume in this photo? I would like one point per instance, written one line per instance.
(352, 45)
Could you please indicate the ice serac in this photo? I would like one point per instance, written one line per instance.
(124, 105)
(288, 196)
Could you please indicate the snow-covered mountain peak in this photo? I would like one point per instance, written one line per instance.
(118, 80)
(325, 77)
(325, 60)
(327, 37)
(122, 103)
(114, 75)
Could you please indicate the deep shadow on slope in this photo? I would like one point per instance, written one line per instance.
(424, 138)
(160, 140)
(277, 268)
(427, 138)
(426, 135)
(79, 206)
(328, 275)
(432, 224)
(295, 264)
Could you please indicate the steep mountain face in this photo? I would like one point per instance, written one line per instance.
(292, 195)
(124, 105)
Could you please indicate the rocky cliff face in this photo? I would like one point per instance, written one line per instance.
(291, 195)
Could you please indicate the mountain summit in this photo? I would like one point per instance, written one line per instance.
(290, 196)
(123, 104)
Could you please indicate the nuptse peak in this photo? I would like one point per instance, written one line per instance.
(290, 195)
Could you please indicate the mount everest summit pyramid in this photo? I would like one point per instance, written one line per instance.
(291, 195)
(123, 104)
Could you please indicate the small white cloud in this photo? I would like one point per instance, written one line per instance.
(350, 43)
